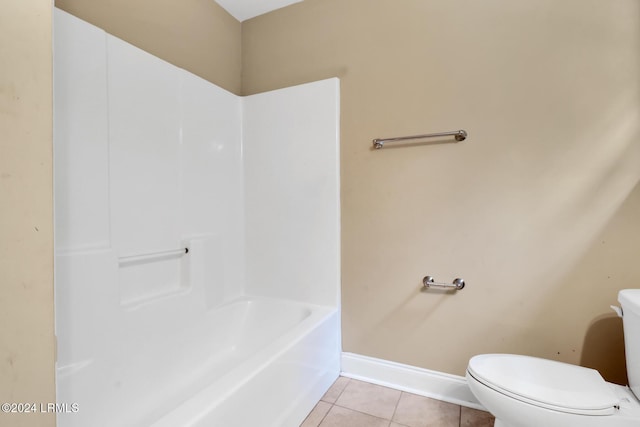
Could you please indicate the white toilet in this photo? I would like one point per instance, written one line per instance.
(522, 391)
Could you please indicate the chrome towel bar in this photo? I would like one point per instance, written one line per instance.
(428, 282)
(460, 135)
(151, 256)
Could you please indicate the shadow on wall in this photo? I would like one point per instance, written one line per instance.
(580, 300)
(603, 349)
(613, 251)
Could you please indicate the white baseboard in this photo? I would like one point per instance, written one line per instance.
(433, 384)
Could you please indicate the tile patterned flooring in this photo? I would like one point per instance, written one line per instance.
(353, 403)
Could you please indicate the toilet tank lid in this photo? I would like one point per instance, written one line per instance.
(546, 383)
(629, 300)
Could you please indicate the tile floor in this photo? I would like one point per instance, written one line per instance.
(353, 403)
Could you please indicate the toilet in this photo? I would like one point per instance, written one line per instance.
(523, 391)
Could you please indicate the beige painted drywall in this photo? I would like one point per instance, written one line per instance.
(539, 210)
(197, 35)
(26, 218)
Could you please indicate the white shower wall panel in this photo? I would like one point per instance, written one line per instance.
(82, 187)
(212, 190)
(145, 168)
(292, 204)
(134, 174)
(158, 150)
(175, 174)
(144, 141)
(212, 162)
(87, 317)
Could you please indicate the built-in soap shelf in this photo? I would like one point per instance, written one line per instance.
(147, 277)
(152, 298)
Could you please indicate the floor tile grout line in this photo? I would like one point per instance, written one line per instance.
(339, 394)
(325, 414)
(343, 389)
(360, 412)
(382, 418)
(395, 408)
(334, 402)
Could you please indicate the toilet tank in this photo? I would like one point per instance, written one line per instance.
(630, 301)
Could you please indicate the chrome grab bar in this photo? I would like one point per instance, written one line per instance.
(129, 259)
(460, 135)
(428, 282)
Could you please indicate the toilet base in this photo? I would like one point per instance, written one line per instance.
(499, 423)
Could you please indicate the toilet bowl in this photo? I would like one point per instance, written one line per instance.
(523, 391)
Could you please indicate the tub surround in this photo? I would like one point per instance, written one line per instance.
(150, 158)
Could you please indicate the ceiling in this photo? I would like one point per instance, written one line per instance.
(247, 9)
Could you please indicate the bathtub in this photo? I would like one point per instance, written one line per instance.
(252, 362)
(260, 362)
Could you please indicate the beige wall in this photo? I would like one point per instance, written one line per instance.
(197, 35)
(538, 210)
(26, 218)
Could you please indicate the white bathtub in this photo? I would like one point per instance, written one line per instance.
(257, 362)
(251, 362)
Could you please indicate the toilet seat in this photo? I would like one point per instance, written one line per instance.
(545, 383)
